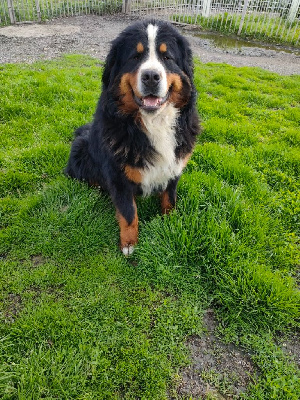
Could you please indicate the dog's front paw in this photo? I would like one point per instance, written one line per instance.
(127, 250)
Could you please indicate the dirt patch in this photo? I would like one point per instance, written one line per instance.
(37, 260)
(92, 35)
(38, 31)
(291, 345)
(37, 292)
(14, 302)
(219, 370)
(13, 307)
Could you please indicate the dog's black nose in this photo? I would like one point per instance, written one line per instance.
(150, 78)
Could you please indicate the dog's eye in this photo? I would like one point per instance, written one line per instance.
(137, 56)
(166, 58)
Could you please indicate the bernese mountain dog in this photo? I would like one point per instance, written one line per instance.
(145, 124)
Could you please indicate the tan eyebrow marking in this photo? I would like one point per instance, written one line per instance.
(163, 48)
(139, 47)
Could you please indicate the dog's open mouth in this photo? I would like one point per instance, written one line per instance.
(150, 102)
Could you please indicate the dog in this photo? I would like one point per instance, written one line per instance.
(145, 125)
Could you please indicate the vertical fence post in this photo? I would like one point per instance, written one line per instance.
(11, 11)
(206, 8)
(293, 10)
(126, 6)
(243, 16)
(38, 10)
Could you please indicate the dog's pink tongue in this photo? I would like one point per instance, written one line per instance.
(151, 101)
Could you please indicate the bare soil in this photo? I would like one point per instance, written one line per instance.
(13, 307)
(92, 35)
(217, 369)
(290, 344)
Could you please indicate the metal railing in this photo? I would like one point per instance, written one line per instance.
(277, 20)
(16, 11)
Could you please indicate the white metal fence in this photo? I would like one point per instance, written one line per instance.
(278, 20)
(15, 11)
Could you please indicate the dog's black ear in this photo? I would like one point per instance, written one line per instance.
(186, 57)
(110, 67)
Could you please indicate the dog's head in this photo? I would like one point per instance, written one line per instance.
(149, 66)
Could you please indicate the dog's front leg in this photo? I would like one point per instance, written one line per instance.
(128, 223)
(168, 196)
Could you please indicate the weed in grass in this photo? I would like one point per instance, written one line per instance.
(279, 378)
(80, 321)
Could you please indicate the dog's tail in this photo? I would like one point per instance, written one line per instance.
(79, 160)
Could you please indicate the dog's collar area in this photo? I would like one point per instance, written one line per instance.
(151, 103)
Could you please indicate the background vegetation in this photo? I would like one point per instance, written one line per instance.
(78, 320)
(272, 29)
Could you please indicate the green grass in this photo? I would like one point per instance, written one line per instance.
(255, 26)
(78, 320)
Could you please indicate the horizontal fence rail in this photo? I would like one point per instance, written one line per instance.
(276, 20)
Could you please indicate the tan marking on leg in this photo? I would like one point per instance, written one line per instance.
(165, 203)
(163, 48)
(133, 174)
(128, 232)
(140, 47)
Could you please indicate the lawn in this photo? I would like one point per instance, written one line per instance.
(80, 321)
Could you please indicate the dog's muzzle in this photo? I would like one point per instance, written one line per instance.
(151, 103)
(150, 80)
(151, 90)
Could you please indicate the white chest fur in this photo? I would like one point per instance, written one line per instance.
(160, 129)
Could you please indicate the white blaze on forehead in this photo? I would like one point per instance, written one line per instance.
(153, 63)
(152, 31)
